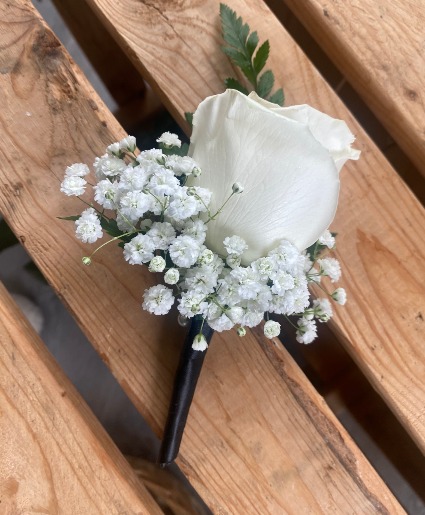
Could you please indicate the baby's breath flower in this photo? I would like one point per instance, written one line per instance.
(113, 148)
(233, 260)
(192, 303)
(206, 257)
(77, 170)
(158, 299)
(322, 309)
(135, 204)
(340, 296)
(307, 330)
(182, 205)
(88, 226)
(235, 245)
(128, 143)
(330, 267)
(108, 166)
(182, 165)
(271, 329)
(222, 323)
(327, 239)
(184, 251)
(172, 276)
(73, 185)
(199, 343)
(169, 139)
(139, 250)
(162, 234)
(154, 155)
(157, 264)
(106, 193)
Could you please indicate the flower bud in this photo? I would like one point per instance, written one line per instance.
(206, 257)
(199, 342)
(157, 264)
(241, 331)
(86, 260)
(271, 329)
(182, 321)
(339, 296)
(196, 172)
(172, 276)
(237, 188)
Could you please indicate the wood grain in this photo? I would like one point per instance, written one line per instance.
(259, 439)
(379, 47)
(380, 224)
(55, 456)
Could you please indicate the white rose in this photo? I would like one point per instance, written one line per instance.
(287, 160)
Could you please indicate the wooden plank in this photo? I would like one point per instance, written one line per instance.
(379, 47)
(55, 456)
(259, 438)
(381, 248)
(110, 61)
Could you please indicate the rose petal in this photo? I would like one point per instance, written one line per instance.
(290, 180)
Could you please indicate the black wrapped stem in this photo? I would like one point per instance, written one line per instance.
(185, 381)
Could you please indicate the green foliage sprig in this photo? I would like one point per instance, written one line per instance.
(243, 50)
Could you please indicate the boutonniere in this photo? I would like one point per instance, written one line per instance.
(236, 223)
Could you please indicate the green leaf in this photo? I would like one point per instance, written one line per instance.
(110, 226)
(237, 57)
(278, 97)
(72, 218)
(189, 118)
(235, 84)
(265, 84)
(261, 57)
(235, 32)
(251, 43)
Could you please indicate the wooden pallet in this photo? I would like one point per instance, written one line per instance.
(259, 439)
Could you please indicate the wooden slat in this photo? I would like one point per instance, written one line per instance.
(55, 456)
(259, 439)
(379, 47)
(380, 224)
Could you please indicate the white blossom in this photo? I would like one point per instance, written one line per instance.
(184, 251)
(233, 260)
(330, 267)
(135, 204)
(157, 264)
(77, 170)
(182, 165)
(235, 245)
(322, 309)
(172, 276)
(153, 155)
(282, 281)
(182, 205)
(169, 139)
(158, 299)
(88, 226)
(271, 329)
(222, 323)
(192, 303)
(162, 234)
(196, 229)
(108, 166)
(206, 257)
(200, 343)
(327, 239)
(73, 185)
(163, 182)
(133, 178)
(340, 296)
(307, 330)
(139, 250)
(106, 193)
(202, 195)
(113, 148)
(128, 143)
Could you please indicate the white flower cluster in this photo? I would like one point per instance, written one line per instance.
(162, 223)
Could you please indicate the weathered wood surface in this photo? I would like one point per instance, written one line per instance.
(380, 224)
(379, 47)
(259, 439)
(55, 457)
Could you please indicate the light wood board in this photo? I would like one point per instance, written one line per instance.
(259, 439)
(380, 224)
(379, 47)
(54, 455)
